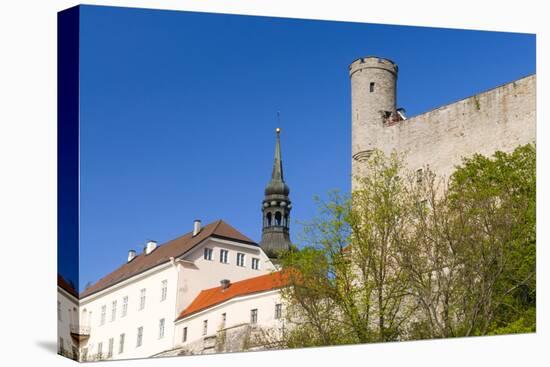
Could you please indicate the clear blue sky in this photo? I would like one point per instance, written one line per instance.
(178, 112)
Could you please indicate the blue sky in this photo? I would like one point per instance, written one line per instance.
(178, 112)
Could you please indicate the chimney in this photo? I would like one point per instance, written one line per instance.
(131, 255)
(196, 227)
(150, 247)
(225, 284)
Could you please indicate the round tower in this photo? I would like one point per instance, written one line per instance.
(373, 107)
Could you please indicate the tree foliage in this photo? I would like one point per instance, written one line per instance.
(409, 255)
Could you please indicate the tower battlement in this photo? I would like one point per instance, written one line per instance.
(369, 62)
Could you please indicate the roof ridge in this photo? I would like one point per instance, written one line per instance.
(243, 280)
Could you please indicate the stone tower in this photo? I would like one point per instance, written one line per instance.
(276, 208)
(373, 107)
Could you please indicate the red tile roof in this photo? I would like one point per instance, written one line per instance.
(214, 296)
(67, 286)
(164, 252)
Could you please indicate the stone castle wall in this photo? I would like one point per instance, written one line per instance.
(498, 119)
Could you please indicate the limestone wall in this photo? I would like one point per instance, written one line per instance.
(499, 119)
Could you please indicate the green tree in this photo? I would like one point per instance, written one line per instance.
(410, 255)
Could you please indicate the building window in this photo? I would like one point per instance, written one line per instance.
(113, 311)
(184, 336)
(224, 318)
(161, 328)
(205, 327)
(124, 306)
(139, 336)
(111, 346)
(58, 311)
(371, 87)
(268, 216)
(254, 316)
(121, 343)
(278, 311)
(207, 253)
(223, 256)
(164, 290)
(240, 259)
(142, 299)
(255, 263)
(99, 350)
(103, 314)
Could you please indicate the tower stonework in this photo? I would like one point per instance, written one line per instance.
(373, 105)
(499, 119)
(276, 208)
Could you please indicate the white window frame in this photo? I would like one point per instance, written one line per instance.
(208, 253)
(121, 343)
(164, 290)
(255, 263)
(224, 256)
(139, 341)
(113, 310)
(161, 328)
(100, 350)
(111, 347)
(142, 295)
(103, 315)
(124, 306)
(278, 311)
(241, 259)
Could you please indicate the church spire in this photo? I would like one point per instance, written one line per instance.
(277, 174)
(276, 208)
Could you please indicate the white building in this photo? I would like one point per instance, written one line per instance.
(130, 313)
(239, 316)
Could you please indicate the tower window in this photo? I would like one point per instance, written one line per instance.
(371, 87)
(278, 218)
(268, 216)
